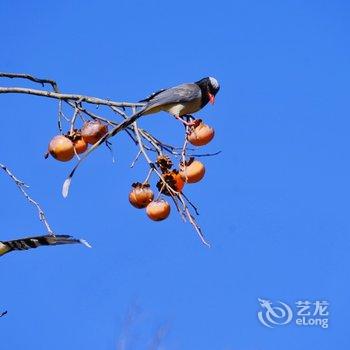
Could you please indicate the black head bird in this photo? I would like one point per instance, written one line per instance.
(183, 99)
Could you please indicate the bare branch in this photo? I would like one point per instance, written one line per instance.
(67, 97)
(174, 194)
(31, 78)
(123, 125)
(144, 140)
(21, 185)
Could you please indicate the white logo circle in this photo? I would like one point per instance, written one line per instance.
(274, 315)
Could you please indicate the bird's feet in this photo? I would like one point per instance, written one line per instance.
(190, 121)
(194, 123)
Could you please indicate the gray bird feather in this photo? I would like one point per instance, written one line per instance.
(184, 93)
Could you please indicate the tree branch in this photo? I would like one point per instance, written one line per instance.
(67, 97)
(21, 185)
(145, 141)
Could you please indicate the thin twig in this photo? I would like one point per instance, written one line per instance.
(136, 159)
(66, 97)
(150, 171)
(21, 185)
(174, 194)
(31, 78)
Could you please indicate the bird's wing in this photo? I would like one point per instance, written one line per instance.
(179, 94)
(148, 98)
(38, 241)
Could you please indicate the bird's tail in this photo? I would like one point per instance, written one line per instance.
(39, 241)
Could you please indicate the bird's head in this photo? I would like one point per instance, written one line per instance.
(210, 86)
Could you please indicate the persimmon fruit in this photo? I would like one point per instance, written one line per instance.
(141, 195)
(80, 145)
(201, 135)
(61, 148)
(158, 210)
(93, 130)
(193, 171)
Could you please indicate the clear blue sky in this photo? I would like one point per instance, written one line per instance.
(274, 204)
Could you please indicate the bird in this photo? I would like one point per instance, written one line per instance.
(38, 241)
(182, 100)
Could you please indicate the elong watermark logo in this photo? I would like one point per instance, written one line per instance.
(303, 313)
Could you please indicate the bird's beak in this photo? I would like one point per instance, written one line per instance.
(211, 98)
